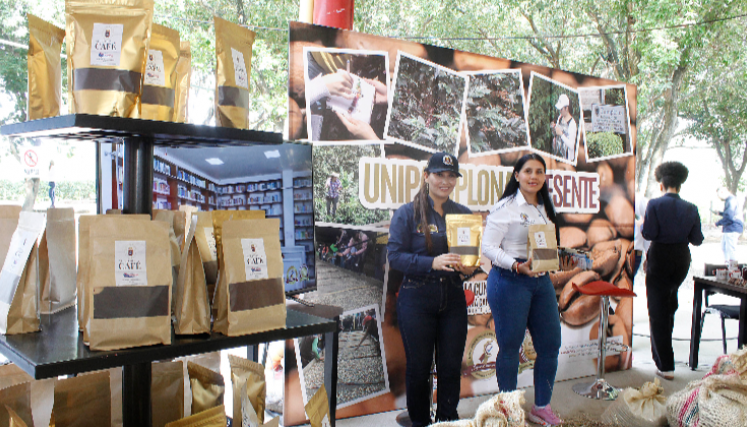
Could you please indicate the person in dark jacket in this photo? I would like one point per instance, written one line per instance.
(671, 224)
(731, 224)
(431, 307)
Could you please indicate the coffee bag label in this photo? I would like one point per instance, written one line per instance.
(325, 421)
(239, 68)
(248, 413)
(155, 74)
(130, 268)
(255, 259)
(210, 237)
(463, 236)
(18, 252)
(539, 238)
(106, 44)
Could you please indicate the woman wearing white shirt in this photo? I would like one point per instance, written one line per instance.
(565, 130)
(518, 297)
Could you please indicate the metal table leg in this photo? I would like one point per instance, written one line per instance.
(136, 409)
(331, 346)
(137, 188)
(695, 328)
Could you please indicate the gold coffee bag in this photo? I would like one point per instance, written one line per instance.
(233, 49)
(318, 408)
(542, 247)
(464, 235)
(192, 306)
(130, 284)
(250, 295)
(248, 380)
(183, 78)
(208, 388)
(84, 400)
(215, 417)
(17, 398)
(44, 68)
(107, 43)
(159, 81)
(167, 392)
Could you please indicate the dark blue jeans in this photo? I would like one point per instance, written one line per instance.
(519, 302)
(432, 314)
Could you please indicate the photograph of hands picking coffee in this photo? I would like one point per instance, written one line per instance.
(341, 213)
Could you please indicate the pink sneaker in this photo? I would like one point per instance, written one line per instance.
(544, 417)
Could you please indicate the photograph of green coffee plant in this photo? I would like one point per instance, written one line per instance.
(495, 112)
(426, 106)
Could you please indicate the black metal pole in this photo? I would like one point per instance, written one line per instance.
(330, 369)
(137, 188)
(136, 405)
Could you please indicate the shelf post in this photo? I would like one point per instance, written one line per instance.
(137, 188)
(136, 405)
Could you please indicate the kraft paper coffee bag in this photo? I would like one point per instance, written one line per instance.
(167, 217)
(464, 235)
(542, 248)
(180, 228)
(233, 50)
(250, 295)
(208, 387)
(248, 379)
(19, 277)
(205, 240)
(221, 216)
(183, 78)
(17, 398)
(14, 420)
(215, 417)
(107, 43)
(11, 374)
(192, 306)
(167, 392)
(44, 69)
(58, 290)
(318, 408)
(8, 223)
(159, 82)
(83, 401)
(130, 284)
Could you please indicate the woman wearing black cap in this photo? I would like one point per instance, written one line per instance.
(431, 308)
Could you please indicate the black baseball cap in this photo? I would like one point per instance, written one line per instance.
(443, 162)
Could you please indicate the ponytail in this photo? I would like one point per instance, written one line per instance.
(420, 206)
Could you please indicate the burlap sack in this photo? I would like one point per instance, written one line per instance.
(167, 392)
(542, 247)
(19, 277)
(502, 410)
(208, 387)
(715, 401)
(215, 417)
(130, 288)
(250, 295)
(8, 223)
(18, 399)
(58, 290)
(83, 401)
(644, 407)
(192, 306)
(248, 380)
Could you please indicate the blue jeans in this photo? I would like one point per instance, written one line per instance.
(432, 314)
(519, 302)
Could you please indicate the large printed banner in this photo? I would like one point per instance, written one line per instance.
(376, 109)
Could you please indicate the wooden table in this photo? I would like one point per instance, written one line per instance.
(710, 283)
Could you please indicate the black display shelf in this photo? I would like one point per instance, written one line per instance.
(85, 127)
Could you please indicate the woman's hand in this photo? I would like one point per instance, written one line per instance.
(465, 270)
(339, 84)
(526, 269)
(446, 262)
(357, 128)
(568, 263)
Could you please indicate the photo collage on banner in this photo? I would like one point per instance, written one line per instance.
(369, 151)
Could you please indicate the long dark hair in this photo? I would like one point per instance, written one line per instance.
(420, 205)
(513, 186)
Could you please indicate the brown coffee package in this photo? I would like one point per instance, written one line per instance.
(107, 43)
(318, 409)
(19, 277)
(208, 387)
(11, 374)
(192, 306)
(167, 217)
(130, 284)
(183, 79)
(159, 81)
(180, 228)
(221, 216)
(14, 420)
(275, 422)
(542, 247)
(8, 223)
(167, 392)
(205, 240)
(17, 398)
(215, 417)
(44, 68)
(58, 285)
(248, 380)
(233, 50)
(207, 360)
(464, 236)
(250, 295)
(83, 401)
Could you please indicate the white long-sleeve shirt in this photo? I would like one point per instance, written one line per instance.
(505, 236)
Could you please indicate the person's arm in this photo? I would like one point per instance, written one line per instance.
(398, 248)
(650, 229)
(495, 229)
(696, 234)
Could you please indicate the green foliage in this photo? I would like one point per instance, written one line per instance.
(426, 105)
(542, 111)
(65, 190)
(603, 144)
(495, 112)
(343, 159)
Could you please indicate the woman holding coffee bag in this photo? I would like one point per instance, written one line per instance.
(431, 308)
(518, 297)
